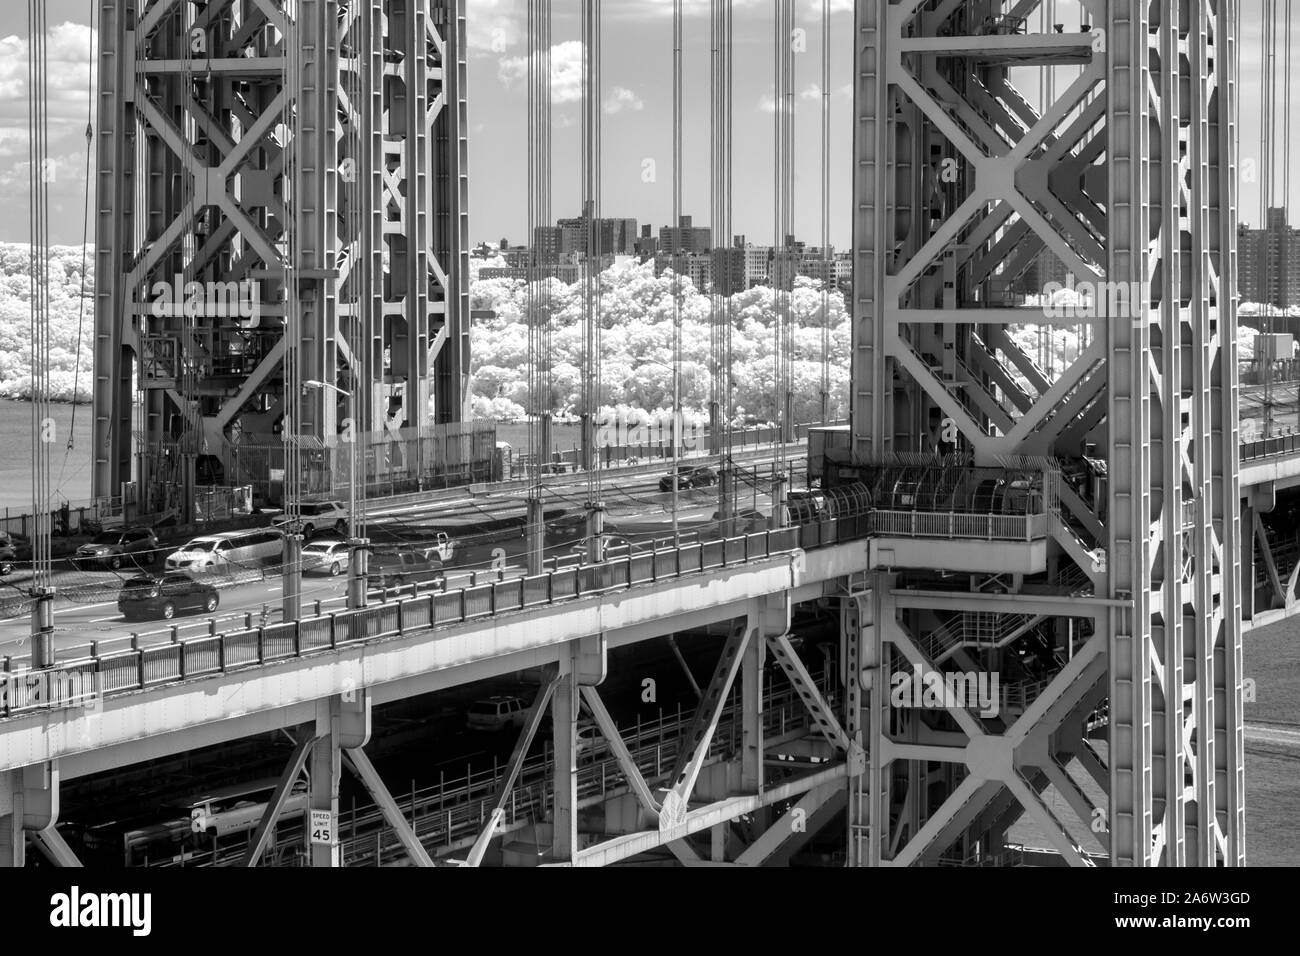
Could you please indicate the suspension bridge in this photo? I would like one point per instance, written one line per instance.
(1066, 571)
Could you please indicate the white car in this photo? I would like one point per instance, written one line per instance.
(326, 557)
(316, 516)
(442, 549)
(496, 713)
(589, 737)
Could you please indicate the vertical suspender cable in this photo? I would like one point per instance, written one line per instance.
(677, 251)
(85, 242)
(591, 206)
(38, 222)
(539, 208)
(827, 260)
(726, 268)
(784, 255)
(1267, 196)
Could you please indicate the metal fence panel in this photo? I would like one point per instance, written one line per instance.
(564, 584)
(537, 590)
(665, 563)
(508, 595)
(642, 568)
(240, 648)
(478, 601)
(689, 559)
(448, 607)
(277, 641)
(119, 672)
(417, 613)
(161, 664)
(314, 633)
(202, 656)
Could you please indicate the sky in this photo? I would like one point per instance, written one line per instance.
(637, 110)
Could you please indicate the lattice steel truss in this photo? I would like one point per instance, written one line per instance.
(1127, 178)
(205, 152)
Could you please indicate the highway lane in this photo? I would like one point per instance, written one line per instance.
(639, 512)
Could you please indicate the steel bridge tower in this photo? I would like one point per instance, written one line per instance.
(258, 148)
(967, 183)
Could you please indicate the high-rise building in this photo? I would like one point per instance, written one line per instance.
(1268, 262)
(616, 237)
(685, 237)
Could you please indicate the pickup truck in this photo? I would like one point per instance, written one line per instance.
(400, 570)
(442, 550)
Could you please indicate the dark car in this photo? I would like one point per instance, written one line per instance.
(150, 598)
(113, 549)
(389, 570)
(20, 544)
(8, 557)
(689, 476)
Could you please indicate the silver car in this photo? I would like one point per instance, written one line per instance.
(326, 557)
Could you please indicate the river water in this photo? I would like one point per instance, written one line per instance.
(70, 469)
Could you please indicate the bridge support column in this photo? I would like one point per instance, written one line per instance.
(866, 694)
(358, 571)
(595, 532)
(777, 519)
(727, 500)
(29, 803)
(292, 577)
(536, 535)
(342, 723)
(751, 695)
(43, 629)
(1247, 554)
(582, 664)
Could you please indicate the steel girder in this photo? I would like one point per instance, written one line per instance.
(1128, 179)
(352, 179)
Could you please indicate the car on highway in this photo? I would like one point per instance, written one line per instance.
(496, 714)
(744, 521)
(589, 738)
(19, 543)
(113, 549)
(614, 546)
(231, 551)
(689, 476)
(396, 570)
(326, 557)
(162, 598)
(314, 517)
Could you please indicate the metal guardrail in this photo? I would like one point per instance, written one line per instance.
(140, 667)
(989, 527)
(1270, 447)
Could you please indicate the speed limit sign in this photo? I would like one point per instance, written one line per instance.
(322, 827)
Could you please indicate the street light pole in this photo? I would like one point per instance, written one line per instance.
(358, 547)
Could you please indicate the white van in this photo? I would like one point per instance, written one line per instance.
(234, 551)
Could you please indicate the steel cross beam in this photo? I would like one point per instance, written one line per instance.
(1125, 179)
(346, 175)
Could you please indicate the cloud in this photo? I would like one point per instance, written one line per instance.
(620, 98)
(68, 50)
(566, 71)
(494, 26)
(811, 93)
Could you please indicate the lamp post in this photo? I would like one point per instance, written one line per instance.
(676, 369)
(358, 547)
